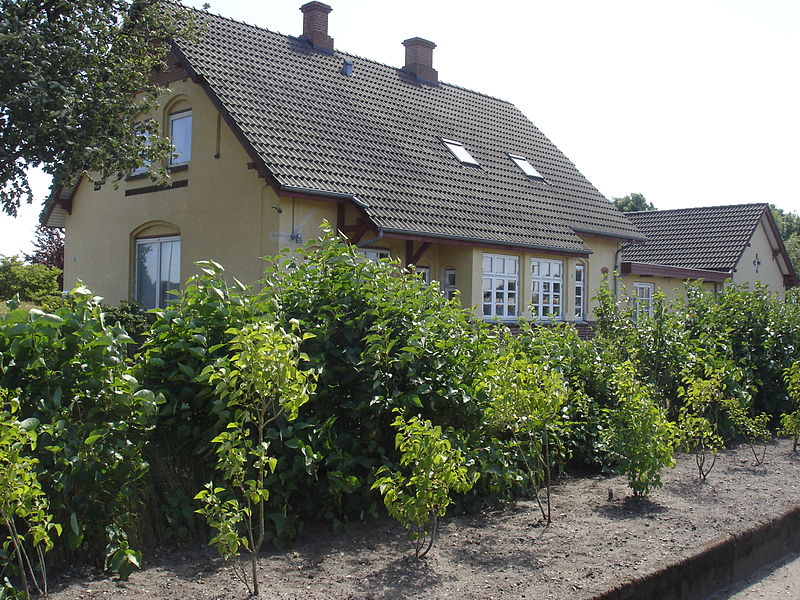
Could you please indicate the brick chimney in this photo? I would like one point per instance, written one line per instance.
(315, 25)
(419, 59)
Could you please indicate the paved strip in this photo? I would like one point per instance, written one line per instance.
(778, 580)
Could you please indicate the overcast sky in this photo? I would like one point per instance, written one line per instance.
(689, 102)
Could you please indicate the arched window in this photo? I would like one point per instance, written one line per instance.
(157, 265)
(178, 122)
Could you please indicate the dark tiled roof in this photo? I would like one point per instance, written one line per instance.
(712, 237)
(376, 135)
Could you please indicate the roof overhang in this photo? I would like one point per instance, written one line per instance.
(653, 270)
(58, 205)
(478, 243)
(779, 249)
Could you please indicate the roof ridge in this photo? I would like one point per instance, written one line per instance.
(335, 50)
(639, 212)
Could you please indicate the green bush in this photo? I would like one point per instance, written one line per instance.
(417, 499)
(790, 421)
(638, 437)
(70, 368)
(37, 283)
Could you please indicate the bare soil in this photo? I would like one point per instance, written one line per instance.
(592, 544)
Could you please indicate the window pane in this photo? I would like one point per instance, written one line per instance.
(487, 264)
(512, 285)
(499, 265)
(535, 268)
(181, 136)
(170, 270)
(147, 273)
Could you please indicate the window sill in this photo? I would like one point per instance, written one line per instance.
(178, 168)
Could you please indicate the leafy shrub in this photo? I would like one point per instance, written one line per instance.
(638, 437)
(133, 318)
(37, 283)
(260, 383)
(24, 510)
(70, 369)
(527, 400)
(790, 422)
(417, 499)
(382, 340)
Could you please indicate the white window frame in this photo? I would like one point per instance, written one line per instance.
(580, 292)
(525, 165)
(186, 156)
(460, 152)
(641, 301)
(500, 288)
(158, 241)
(375, 254)
(424, 273)
(141, 170)
(449, 283)
(547, 289)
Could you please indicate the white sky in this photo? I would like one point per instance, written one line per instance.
(689, 102)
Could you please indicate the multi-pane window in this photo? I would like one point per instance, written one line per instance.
(158, 270)
(375, 253)
(424, 274)
(500, 285)
(449, 283)
(643, 301)
(180, 133)
(580, 291)
(145, 164)
(546, 288)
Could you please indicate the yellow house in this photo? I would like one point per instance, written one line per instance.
(719, 245)
(275, 133)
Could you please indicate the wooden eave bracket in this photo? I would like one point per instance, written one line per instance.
(412, 257)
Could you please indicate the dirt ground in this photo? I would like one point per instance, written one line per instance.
(501, 554)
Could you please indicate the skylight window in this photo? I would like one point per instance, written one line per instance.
(460, 152)
(526, 167)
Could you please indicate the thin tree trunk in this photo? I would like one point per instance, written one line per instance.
(17, 548)
(547, 470)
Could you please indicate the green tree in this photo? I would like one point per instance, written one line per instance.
(789, 227)
(33, 283)
(74, 80)
(261, 382)
(418, 499)
(633, 202)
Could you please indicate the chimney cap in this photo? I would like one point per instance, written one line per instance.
(418, 41)
(315, 6)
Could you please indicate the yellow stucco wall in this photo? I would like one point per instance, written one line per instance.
(672, 288)
(224, 212)
(758, 264)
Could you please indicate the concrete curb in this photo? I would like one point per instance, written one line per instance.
(723, 562)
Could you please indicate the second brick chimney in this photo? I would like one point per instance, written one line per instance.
(419, 59)
(315, 25)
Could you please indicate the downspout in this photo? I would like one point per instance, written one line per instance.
(377, 238)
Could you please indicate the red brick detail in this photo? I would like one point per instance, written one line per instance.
(315, 24)
(419, 58)
(173, 72)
